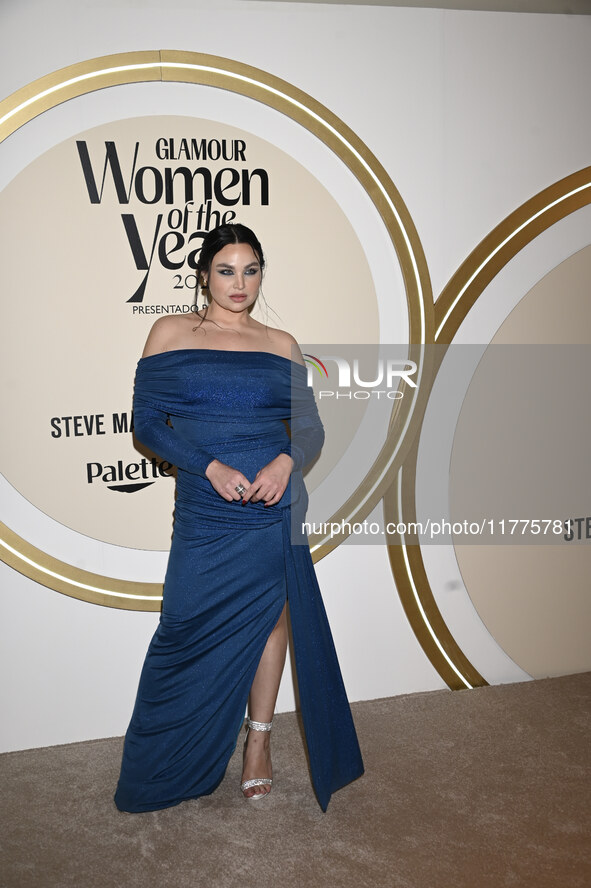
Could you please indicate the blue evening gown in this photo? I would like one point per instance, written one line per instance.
(231, 569)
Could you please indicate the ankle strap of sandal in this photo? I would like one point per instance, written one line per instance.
(258, 726)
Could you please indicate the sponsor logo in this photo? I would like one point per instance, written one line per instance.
(121, 476)
(128, 477)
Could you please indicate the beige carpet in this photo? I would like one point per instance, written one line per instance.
(483, 789)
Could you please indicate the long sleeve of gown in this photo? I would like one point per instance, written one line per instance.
(152, 429)
(306, 429)
(151, 398)
(307, 438)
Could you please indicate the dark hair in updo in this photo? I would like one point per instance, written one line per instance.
(218, 238)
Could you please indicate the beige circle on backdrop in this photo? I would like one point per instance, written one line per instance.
(533, 599)
(71, 337)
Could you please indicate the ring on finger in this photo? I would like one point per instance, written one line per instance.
(240, 489)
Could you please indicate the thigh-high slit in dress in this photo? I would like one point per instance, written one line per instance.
(230, 571)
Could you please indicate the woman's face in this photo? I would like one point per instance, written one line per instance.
(234, 277)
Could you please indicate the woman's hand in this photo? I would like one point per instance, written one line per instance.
(270, 482)
(224, 480)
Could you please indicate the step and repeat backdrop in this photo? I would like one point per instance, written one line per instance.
(112, 172)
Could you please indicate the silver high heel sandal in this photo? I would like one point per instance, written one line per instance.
(257, 781)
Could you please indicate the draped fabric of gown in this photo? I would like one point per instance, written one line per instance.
(230, 571)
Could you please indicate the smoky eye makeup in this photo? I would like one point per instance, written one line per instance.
(229, 269)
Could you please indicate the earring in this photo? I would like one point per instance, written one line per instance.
(204, 293)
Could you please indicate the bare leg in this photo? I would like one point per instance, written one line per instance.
(261, 706)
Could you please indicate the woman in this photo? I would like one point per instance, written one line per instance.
(212, 395)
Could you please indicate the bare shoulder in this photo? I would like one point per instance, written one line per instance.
(165, 334)
(285, 345)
